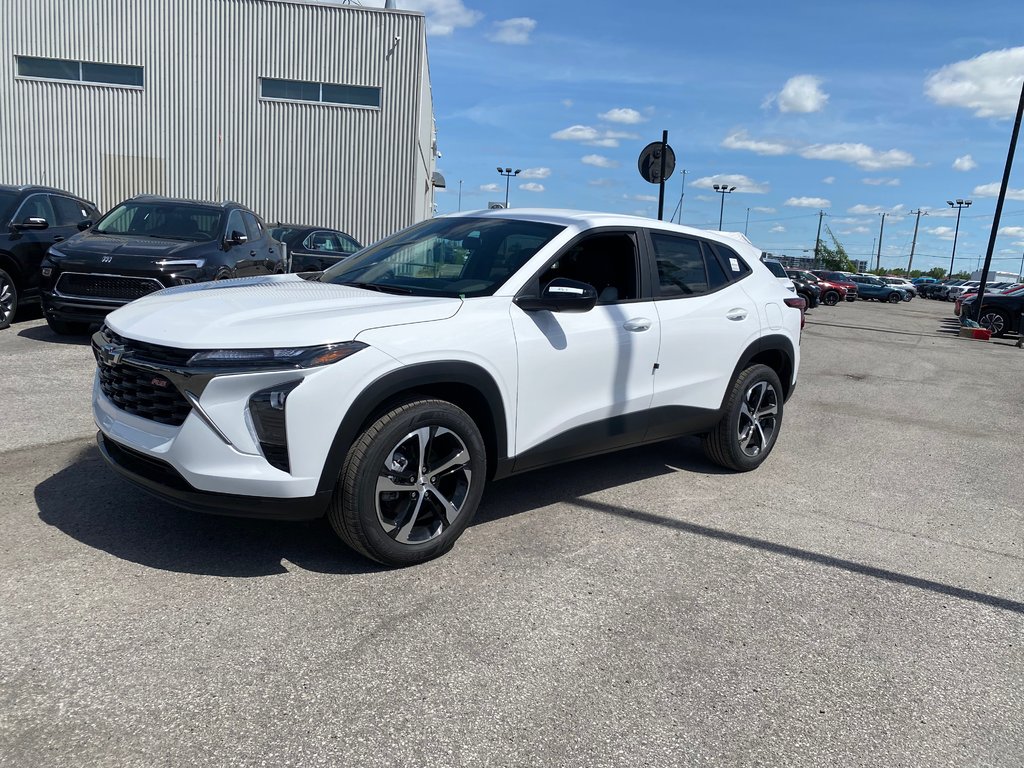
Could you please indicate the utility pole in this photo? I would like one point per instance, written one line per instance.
(878, 258)
(817, 237)
(747, 222)
(913, 244)
(460, 194)
(679, 205)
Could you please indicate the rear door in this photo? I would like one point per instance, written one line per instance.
(707, 321)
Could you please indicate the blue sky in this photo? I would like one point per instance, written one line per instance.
(855, 110)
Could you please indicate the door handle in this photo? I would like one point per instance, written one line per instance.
(736, 314)
(637, 324)
(57, 239)
(252, 253)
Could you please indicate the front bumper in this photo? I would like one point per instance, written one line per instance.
(77, 310)
(163, 481)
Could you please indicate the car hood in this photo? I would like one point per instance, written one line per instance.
(272, 311)
(94, 245)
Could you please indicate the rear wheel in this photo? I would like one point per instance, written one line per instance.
(8, 299)
(411, 483)
(830, 298)
(66, 328)
(750, 427)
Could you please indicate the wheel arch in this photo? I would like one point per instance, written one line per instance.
(466, 385)
(10, 265)
(777, 352)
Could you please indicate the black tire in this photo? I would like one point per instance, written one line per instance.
(8, 299)
(830, 298)
(724, 445)
(372, 512)
(995, 320)
(67, 328)
(894, 298)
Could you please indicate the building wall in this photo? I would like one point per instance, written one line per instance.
(199, 128)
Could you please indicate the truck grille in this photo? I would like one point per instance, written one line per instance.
(112, 287)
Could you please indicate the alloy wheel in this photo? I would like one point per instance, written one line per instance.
(993, 321)
(758, 420)
(423, 485)
(7, 301)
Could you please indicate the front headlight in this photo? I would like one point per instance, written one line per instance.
(286, 357)
(182, 263)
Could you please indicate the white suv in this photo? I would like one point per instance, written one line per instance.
(386, 390)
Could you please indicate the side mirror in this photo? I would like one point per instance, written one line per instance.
(84, 225)
(236, 238)
(561, 295)
(33, 222)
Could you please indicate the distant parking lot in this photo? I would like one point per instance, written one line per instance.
(857, 601)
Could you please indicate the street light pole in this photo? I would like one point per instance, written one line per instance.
(959, 205)
(508, 173)
(913, 243)
(723, 190)
(747, 222)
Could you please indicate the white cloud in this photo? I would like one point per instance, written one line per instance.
(992, 190)
(513, 31)
(856, 231)
(882, 182)
(622, 115)
(642, 198)
(567, 103)
(943, 233)
(599, 161)
(862, 209)
(741, 140)
(1012, 231)
(591, 136)
(808, 202)
(742, 183)
(829, 180)
(762, 209)
(489, 188)
(601, 183)
(965, 163)
(989, 84)
(777, 228)
(535, 173)
(445, 16)
(532, 186)
(868, 158)
(800, 94)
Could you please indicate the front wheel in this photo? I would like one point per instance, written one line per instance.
(750, 426)
(411, 483)
(894, 298)
(830, 298)
(8, 299)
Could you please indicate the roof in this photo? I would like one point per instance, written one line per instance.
(225, 204)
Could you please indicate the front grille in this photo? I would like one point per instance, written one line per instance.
(144, 393)
(112, 287)
(150, 353)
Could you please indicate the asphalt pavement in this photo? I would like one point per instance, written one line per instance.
(857, 601)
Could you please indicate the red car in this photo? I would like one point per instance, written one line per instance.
(838, 280)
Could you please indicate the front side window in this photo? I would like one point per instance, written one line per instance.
(322, 241)
(456, 256)
(168, 221)
(36, 207)
(235, 224)
(607, 261)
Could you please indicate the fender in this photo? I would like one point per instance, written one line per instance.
(774, 342)
(430, 379)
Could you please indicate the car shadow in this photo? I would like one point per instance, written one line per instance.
(91, 504)
(43, 333)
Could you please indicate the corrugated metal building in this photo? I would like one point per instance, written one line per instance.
(306, 112)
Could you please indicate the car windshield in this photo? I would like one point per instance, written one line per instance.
(167, 221)
(284, 234)
(450, 256)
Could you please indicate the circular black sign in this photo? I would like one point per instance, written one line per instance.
(650, 162)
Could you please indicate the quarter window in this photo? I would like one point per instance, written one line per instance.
(320, 93)
(87, 72)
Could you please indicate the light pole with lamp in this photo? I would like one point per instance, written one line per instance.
(959, 205)
(508, 173)
(723, 190)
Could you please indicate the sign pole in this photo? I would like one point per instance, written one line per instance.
(661, 190)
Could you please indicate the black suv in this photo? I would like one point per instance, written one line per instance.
(148, 243)
(31, 220)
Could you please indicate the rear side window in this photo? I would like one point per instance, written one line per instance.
(686, 267)
(69, 212)
(252, 226)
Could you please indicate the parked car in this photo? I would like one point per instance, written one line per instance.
(386, 390)
(903, 283)
(1000, 313)
(840, 279)
(873, 288)
(831, 293)
(31, 220)
(148, 243)
(918, 281)
(954, 291)
(313, 249)
(807, 288)
(779, 271)
(942, 290)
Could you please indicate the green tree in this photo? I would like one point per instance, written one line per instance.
(937, 272)
(834, 257)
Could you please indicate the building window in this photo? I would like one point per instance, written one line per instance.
(88, 72)
(320, 93)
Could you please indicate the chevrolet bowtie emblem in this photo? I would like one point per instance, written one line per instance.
(111, 354)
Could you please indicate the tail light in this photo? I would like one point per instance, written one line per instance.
(798, 302)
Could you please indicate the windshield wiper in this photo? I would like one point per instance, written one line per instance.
(380, 288)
